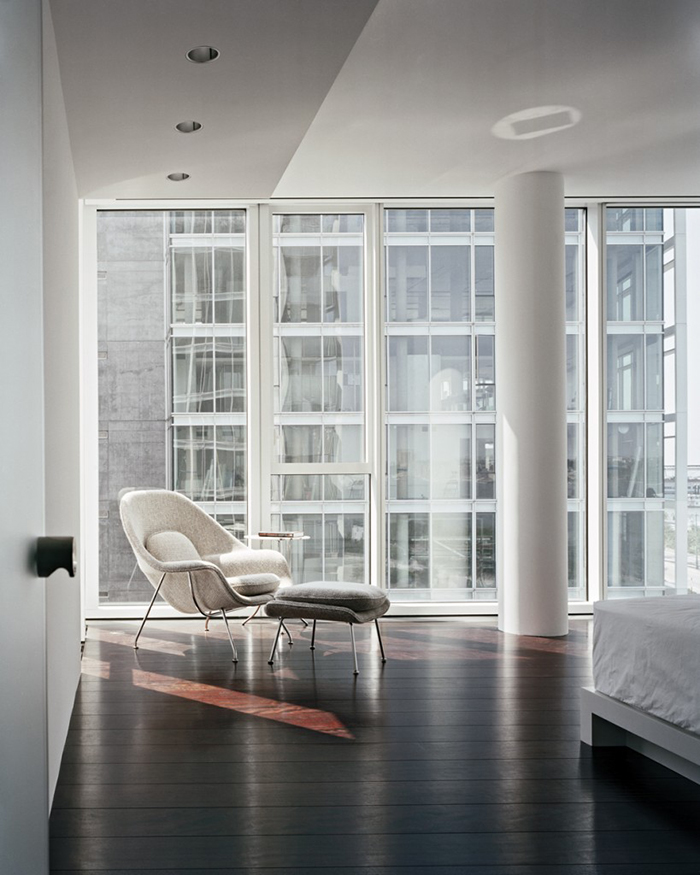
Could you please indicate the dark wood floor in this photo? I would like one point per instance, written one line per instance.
(460, 755)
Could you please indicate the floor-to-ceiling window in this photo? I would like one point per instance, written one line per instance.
(373, 431)
(440, 404)
(320, 486)
(652, 430)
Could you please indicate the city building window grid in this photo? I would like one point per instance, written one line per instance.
(440, 402)
(206, 271)
(443, 328)
(319, 404)
(644, 286)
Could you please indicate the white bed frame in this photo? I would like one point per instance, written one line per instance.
(607, 722)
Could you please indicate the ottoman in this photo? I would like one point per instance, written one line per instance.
(349, 603)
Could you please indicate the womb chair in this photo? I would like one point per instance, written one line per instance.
(194, 563)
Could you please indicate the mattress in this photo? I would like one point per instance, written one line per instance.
(646, 653)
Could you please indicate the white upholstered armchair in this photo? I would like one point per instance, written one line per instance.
(192, 561)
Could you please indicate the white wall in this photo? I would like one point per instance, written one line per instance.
(23, 781)
(62, 399)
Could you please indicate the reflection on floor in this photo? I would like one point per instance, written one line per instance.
(460, 755)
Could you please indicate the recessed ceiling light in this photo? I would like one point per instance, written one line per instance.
(536, 122)
(178, 177)
(202, 54)
(188, 127)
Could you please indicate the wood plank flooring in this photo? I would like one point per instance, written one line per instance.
(460, 755)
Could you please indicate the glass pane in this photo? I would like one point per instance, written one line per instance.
(486, 550)
(654, 219)
(229, 285)
(230, 463)
(572, 372)
(406, 220)
(625, 219)
(409, 373)
(409, 550)
(626, 548)
(301, 443)
(191, 285)
(230, 374)
(342, 283)
(445, 221)
(300, 283)
(572, 282)
(450, 283)
(625, 460)
(452, 551)
(483, 269)
(409, 462)
(450, 373)
(407, 275)
(655, 372)
(194, 461)
(342, 373)
(485, 372)
(301, 224)
(190, 222)
(485, 461)
(343, 224)
(625, 283)
(625, 372)
(483, 220)
(342, 443)
(229, 221)
(236, 523)
(654, 284)
(452, 461)
(574, 548)
(301, 379)
(655, 461)
(572, 463)
(572, 220)
(333, 511)
(193, 375)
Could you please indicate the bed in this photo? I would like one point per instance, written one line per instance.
(646, 675)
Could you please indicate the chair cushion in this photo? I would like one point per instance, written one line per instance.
(171, 547)
(356, 596)
(254, 584)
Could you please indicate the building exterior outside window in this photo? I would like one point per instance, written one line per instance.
(176, 346)
(652, 441)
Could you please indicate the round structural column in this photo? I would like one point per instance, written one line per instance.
(531, 446)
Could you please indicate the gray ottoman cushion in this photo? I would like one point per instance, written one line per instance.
(343, 602)
(355, 596)
(254, 584)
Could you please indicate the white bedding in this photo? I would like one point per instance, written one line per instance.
(646, 653)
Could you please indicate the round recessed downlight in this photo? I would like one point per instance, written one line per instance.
(202, 54)
(178, 177)
(188, 127)
(538, 121)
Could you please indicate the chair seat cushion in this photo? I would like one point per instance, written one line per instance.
(254, 584)
(356, 596)
(171, 547)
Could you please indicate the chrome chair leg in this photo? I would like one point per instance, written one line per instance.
(354, 651)
(274, 643)
(379, 635)
(143, 622)
(313, 637)
(289, 634)
(230, 637)
(254, 614)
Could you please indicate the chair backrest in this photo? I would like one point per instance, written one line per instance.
(168, 526)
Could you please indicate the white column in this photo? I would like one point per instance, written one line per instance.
(531, 405)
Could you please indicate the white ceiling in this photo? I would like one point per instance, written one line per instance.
(378, 98)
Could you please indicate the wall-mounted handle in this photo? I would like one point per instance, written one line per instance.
(54, 553)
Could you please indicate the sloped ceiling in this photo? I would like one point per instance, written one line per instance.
(379, 98)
